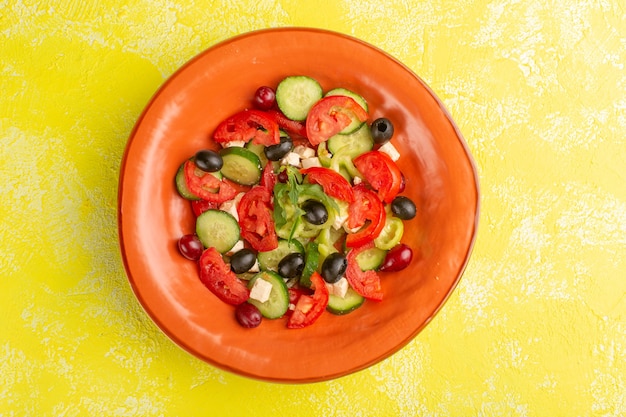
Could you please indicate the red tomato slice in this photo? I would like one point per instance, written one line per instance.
(366, 283)
(330, 115)
(366, 212)
(285, 123)
(268, 177)
(381, 172)
(255, 125)
(216, 275)
(206, 185)
(333, 183)
(310, 307)
(200, 206)
(256, 219)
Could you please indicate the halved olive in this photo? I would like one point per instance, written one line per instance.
(276, 152)
(334, 267)
(315, 212)
(208, 161)
(382, 130)
(291, 265)
(403, 207)
(242, 261)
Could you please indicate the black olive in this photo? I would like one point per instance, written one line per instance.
(315, 212)
(242, 261)
(334, 267)
(291, 265)
(403, 207)
(382, 130)
(208, 161)
(278, 151)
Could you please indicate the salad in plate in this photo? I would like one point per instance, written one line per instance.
(300, 211)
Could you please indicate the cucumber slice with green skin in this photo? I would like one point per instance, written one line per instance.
(181, 184)
(296, 94)
(349, 303)
(257, 148)
(241, 165)
(278, 303)
(371, 258)
(348, 93)
(354, 144)
(268, 261)
(218, 229)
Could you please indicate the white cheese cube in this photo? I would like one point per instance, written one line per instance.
(304, 151)
(230, 206)
(239, 143)
(342, 216)
(339, 221)
(357, 180)
(311, 162)
(291, 158)
(255, 267)
(339, 288)
(261, 290)
(390, 150)
(238, 246)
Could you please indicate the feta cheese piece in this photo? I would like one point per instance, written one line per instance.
(238, 246)
(230, 206)
(255, 267)
(339, 288)
(261, 290)
(239, 143)
(304, 151)
(342, 216)
(390, 150)
(357, 180)
(291, 158)
(311, 162)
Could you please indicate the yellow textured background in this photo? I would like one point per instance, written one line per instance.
(537, 326)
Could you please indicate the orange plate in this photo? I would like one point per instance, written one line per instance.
(178, 121)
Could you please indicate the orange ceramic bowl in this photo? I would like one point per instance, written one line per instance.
(178, 121)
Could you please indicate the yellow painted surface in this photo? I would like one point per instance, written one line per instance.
(537, 326)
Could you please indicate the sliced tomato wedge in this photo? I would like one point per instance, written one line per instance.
(310, 307)
(256, 219)
(366, 283)
(381, 172)
(333, 183)
(206, 185)
(248, 125)
(200, 206)
(268, 177)
(216, 275)
(366, 212)
(331, 115)
(288, 125)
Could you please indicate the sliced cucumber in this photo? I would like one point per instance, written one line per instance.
(218, 229)
(296, 94)
(345, 305)
(311, 264)
(354, 144)
(278, 302)
(257, 148)
(268, 261)
(181, 185)
(241, 165)
(348, 93)
(371, 258)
